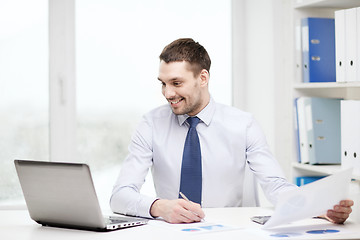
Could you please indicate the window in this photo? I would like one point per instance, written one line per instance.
(117, 49)
(24, 114)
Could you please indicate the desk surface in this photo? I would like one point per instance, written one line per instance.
(16, 224)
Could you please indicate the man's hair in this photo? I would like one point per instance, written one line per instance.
(186, 49)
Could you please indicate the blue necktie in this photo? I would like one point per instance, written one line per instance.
(191, 173)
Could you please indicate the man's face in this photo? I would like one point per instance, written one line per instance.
(183, 91)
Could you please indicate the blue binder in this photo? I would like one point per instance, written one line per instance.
(318, 50)
(323, 130)
(300, 181)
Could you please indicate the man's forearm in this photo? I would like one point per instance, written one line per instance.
(126, 200)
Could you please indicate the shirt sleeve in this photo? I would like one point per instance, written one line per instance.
(263, 164)
(126, 197)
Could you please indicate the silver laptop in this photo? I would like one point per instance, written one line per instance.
(63, 195)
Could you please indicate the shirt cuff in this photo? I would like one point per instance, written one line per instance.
(145, 206)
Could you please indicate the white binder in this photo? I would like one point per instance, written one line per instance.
(358, 44)
(340, 45)
(350, 45)
(302, 130)
(350, 135)
(298, 52)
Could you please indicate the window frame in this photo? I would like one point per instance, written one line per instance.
(62, 81)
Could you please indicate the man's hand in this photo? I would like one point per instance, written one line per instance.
(177, 211)
(340, 212)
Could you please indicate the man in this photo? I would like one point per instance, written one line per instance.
(223, 141)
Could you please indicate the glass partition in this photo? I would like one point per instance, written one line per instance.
(24, 113)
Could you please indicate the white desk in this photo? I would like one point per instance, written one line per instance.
(17, 225)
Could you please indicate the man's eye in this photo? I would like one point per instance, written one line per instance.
(177, 83)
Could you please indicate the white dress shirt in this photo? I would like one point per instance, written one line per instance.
(228, 138)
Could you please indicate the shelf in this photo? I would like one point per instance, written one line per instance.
(321, 169)
(346, 90)
(322, 85)
(326, 4)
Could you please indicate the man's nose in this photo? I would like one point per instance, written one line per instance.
(168, 92)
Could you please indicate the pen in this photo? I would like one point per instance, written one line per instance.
(185, 198)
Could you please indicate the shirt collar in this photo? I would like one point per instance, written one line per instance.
(205, 115)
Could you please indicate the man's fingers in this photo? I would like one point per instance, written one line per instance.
(194, 216)
(184, 219)
(340, 212)
(184, 212)
(342, 209)
(347, 203)
(337, 217)
(195, 209)
(191, 217)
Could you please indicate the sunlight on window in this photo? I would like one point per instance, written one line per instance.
(118, 44)
(24, 117)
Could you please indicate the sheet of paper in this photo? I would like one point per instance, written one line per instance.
(304, 229)
(310, 200)
(198, 227)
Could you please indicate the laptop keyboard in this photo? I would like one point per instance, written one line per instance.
(114, 220)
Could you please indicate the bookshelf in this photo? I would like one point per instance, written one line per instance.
(345, 90)
(326, 4)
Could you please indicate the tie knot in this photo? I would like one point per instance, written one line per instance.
(193, 121)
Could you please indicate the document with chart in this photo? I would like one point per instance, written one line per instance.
(198, 227)
(311, 200)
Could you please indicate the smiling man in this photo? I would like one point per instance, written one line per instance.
(196, 146)
(186, 93)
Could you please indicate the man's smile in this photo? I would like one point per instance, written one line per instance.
(175, 102)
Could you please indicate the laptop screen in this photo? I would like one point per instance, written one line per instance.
(61, 193)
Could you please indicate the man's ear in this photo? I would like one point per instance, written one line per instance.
(204, 77)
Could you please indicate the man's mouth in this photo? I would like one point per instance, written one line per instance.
(176, 102)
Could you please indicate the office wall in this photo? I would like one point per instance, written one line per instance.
(262, 61)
